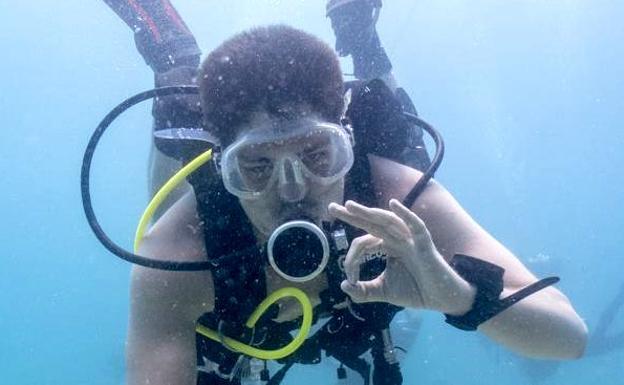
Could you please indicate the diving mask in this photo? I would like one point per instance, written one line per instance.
(284, 157)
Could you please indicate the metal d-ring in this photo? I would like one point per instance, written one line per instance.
(329, 329)
(353, 312)
(222, 337)
(262, 340)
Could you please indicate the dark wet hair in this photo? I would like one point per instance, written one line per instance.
(277, 69)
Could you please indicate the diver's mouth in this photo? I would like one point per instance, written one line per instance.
(301, 211)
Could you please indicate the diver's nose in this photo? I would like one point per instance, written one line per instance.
(292, 186)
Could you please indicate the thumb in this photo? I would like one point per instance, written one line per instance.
(364, 291)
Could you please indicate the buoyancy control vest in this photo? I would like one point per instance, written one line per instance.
(237, 263)
(375, 114)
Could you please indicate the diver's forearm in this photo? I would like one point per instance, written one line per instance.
(543, 325)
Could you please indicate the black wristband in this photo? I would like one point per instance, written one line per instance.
(488, 280)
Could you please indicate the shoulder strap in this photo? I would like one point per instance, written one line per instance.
(380, 127)
(239, 283)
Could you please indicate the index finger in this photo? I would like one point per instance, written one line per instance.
(414, 223)
(375, 221)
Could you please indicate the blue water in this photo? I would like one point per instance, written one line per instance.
(529, 96)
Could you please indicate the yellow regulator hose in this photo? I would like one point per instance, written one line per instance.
(233, 344)
(164, 191)
(255, 316)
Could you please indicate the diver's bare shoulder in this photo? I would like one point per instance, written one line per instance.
(166, 304)
(452, 229)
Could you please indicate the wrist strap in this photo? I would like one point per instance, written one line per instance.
(488, 280)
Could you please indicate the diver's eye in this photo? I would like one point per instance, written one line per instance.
(256, 169)
(316, 156)
(317, 159)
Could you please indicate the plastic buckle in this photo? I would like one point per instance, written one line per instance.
(341, 372)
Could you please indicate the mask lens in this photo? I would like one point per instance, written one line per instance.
(327, 153)
(255, 170)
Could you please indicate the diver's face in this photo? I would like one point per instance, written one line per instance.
(271, 210)
(286, 171)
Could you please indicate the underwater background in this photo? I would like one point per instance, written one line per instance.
(528, 95)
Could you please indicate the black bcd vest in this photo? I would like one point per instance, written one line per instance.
(375, 114)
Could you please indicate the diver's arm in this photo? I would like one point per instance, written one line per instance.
(164, 305)
(170, 49)
(354, 25)
(543, 325)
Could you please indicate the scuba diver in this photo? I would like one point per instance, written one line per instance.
(312, 202)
